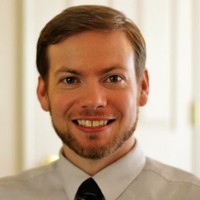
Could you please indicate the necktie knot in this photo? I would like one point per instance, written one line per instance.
(89, 190)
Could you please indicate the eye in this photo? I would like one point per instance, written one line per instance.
(70, 80)
(114, 78)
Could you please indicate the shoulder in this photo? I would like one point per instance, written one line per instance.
(171, 174)
(30, 182)
(29, 175)
(167, 178)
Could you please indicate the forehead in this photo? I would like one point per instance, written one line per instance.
(91, 47)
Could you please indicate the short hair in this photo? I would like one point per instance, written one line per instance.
(82, 18)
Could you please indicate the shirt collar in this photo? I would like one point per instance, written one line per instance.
(119, 174)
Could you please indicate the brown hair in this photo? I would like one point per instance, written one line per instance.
(78, 19)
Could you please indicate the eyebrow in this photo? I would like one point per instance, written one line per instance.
(72, 71)
(109, 69)
(67, 70)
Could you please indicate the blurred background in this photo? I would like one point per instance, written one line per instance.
(169, 126)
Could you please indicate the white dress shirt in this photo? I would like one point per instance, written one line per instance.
(132, 177)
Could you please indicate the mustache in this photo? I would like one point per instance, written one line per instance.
(90, 113)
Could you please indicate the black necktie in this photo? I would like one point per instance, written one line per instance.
(89, 190)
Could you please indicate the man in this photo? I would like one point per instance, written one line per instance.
(93, 79)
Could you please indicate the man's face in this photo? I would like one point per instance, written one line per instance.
(92, 94)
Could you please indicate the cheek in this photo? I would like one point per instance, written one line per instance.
(127, 105)
(60, 104)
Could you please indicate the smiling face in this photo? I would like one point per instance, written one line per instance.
(92, 92)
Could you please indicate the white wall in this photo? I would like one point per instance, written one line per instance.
(10, 69)
(26, 135)
(196, 84)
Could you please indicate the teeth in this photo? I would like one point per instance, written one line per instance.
(89, 123)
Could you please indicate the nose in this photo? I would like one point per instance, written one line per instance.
(94, 96)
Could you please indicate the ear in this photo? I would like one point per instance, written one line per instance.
(143, 88)
(42, 94)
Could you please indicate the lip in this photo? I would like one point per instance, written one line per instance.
(94, 129)
(92, 123)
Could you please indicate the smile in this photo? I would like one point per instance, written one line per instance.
(92, 123)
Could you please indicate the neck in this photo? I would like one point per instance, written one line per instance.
(93, 166)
